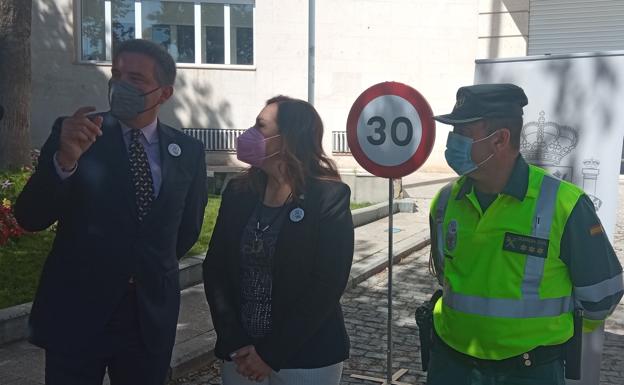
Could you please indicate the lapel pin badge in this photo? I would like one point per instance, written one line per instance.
(174, 149)
(297, 214)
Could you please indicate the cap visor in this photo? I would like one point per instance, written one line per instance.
(449, 119)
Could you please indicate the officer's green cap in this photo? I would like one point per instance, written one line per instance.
(483, 101)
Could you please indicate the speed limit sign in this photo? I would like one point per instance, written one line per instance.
(390, 130)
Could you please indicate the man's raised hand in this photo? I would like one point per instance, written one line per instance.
(78, 133)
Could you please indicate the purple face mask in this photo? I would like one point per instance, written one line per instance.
(251, 147)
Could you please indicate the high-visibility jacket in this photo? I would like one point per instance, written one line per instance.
(506, 291)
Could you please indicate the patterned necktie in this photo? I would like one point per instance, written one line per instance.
(141, 174)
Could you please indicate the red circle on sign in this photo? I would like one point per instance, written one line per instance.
(426, 120)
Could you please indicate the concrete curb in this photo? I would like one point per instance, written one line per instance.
(192, 354)
(377, 262)
(369, 214)
(14, 323)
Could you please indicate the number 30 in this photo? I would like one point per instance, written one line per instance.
(380, 130)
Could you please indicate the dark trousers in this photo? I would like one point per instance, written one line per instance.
(120, 351)
(445, 368)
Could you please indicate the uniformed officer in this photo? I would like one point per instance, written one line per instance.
(517, 251)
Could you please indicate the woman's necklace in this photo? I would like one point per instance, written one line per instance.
(258, 243)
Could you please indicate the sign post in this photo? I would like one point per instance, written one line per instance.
(391, 131)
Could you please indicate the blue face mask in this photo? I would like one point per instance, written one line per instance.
(458, 153)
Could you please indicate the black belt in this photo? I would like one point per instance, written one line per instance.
(538, 356)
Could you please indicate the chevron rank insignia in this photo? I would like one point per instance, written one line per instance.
(525, 244)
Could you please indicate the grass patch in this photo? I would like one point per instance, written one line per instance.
(355, 206)
(210, 217)
(21, 262)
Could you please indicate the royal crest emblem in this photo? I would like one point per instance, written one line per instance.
(547, 144)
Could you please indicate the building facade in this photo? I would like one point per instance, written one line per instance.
(232, 55)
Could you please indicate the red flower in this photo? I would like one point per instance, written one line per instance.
(9, 228)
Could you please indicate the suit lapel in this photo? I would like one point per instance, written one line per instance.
(242, 208)
(245, 206)
(293, 240)
(168, 163)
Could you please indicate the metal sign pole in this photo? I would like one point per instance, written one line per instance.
(390, 212)
(406, 111)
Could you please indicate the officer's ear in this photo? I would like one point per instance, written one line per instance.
(503, 139)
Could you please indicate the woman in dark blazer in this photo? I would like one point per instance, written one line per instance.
(280, 255)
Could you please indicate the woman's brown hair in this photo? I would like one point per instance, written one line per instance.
(301, 130)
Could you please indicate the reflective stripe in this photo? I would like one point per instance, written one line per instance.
(443, 199)
(507, 308)
(598, 315)
(600, 290)
(542, 221)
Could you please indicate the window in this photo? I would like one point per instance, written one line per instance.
(213, 36)
(122, 13)
(93, 35)
(199, 31)
(170, 24)
(241, 34)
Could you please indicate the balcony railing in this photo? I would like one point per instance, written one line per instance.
(217, 139)
(339, 143)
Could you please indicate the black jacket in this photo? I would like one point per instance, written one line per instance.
(100, 243)
(312, 262)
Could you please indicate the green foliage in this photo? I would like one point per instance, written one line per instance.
(21, 261)
(355, 206)
(11, 183)
(210, 217)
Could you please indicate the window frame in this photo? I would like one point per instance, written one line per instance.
(138, 27)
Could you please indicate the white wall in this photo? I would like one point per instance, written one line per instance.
(428, 44)
(503, 28)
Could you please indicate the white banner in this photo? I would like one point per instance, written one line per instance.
(573, 127)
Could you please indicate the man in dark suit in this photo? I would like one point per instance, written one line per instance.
(128, 193)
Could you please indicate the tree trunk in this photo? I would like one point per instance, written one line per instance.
(15, 21)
